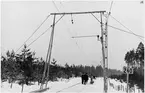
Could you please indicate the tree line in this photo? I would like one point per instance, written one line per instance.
(25, 67)
(135, 59)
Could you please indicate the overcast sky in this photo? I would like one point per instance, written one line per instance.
(20, 19)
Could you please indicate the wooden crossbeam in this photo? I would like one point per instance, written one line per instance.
(70, 13)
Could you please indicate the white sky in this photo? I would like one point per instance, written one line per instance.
(20, 19)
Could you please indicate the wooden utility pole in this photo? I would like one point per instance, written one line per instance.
(50, 50)
(106, 49)
(104, 53)
(48, 57)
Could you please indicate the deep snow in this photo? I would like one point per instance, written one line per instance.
(73, 85)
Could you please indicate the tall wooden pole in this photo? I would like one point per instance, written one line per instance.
(106, 49)
(103, 54)
(48, 57)
(50, 50)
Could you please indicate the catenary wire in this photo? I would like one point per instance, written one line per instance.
(118, 28)
(70, 32)
(125, 31)
(120, 22)
(55, 6)
(45, 31)
(33, 32)
(125, 26)
(110, 8)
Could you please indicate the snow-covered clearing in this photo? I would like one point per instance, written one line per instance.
(72, 85)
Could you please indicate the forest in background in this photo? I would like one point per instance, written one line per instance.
(135, 59)
(25, 68)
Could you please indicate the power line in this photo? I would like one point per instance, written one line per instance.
(39, 36)
(122, 24)
(110, 8)
(69, 30)
(125, 31)
(34, 32)
(118, 28)
(80, 49)
(78, 36)
(126, 27)
(45, 31)
(55, 6)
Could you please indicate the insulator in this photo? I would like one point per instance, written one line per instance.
(98, 37)
(72, 21)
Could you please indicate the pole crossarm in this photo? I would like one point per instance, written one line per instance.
(70, 13)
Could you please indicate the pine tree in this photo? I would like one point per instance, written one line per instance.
(25, 59)
(11, 67)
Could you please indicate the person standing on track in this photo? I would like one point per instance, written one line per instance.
(82, 77)
(86, 78)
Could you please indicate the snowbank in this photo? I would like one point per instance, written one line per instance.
(73, 85)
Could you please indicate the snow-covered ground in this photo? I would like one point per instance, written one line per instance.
(72, 85)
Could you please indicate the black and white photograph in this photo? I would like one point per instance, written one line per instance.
(72, 46)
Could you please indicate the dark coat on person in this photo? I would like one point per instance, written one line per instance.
(84, 78)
